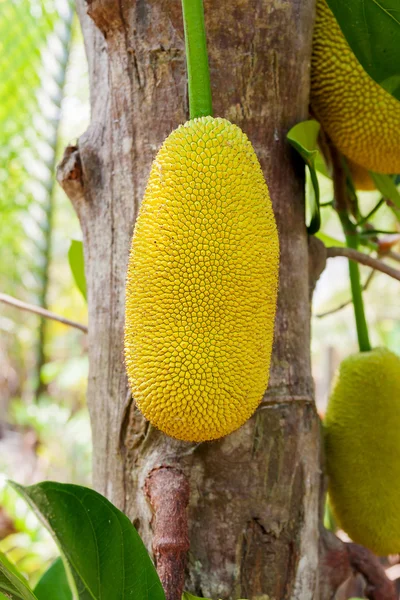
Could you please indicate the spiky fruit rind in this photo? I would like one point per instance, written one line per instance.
(362, 442)
(202, 284)
(361, 118)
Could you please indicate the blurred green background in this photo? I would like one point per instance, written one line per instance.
(44, 425)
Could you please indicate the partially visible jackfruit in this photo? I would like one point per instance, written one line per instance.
(360, 117)
(202, 284)
(362, 180)
(362, 444)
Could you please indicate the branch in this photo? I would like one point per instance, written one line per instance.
(363, 259)
(348, 302)
(37, 310)
(379, 587)
(342, 562)
(167, 489)
(393, 255)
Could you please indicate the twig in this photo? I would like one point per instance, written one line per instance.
(371, 212)
(364, 259)
(37, 310)
(393, 255)
(375, 232)
(348, 302)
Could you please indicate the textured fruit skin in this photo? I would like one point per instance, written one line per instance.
(202, 284)
(361, 118)
(362, 444)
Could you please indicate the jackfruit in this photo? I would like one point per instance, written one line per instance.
(362, 445)
(362, 180)
(361, 118)
(202, 284)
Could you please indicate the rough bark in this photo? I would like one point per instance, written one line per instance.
(253, 502)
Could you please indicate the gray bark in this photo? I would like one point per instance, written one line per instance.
(254, 496)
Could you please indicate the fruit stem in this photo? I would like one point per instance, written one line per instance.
(346, 202)
(200, 103)
(351, 234)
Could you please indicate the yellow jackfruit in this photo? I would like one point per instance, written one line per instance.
(360, 117)
(202, 284)
(362, 444)
(362, 180)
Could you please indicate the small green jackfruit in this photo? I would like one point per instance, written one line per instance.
(362, 444)
(361, 118)
(202, 284)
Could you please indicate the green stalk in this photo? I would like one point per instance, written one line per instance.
(351, 234)
(200, 104)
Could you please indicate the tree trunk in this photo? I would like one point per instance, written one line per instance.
(252, 518)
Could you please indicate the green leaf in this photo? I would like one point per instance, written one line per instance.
(54, 583)
(304, 138)
(320, 165)
(105, 555)
(12, 583)
(387, 187)
(329, 241)
(372, 30)
(77, 264)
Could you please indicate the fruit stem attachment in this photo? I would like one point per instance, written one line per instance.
(345, 203)
(351, 234)
(200, 103)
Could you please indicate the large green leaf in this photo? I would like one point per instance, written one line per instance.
(372, 30)
(54, 583)
(304, 138)
(12, 583)
(77, 264)
(104, 552)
